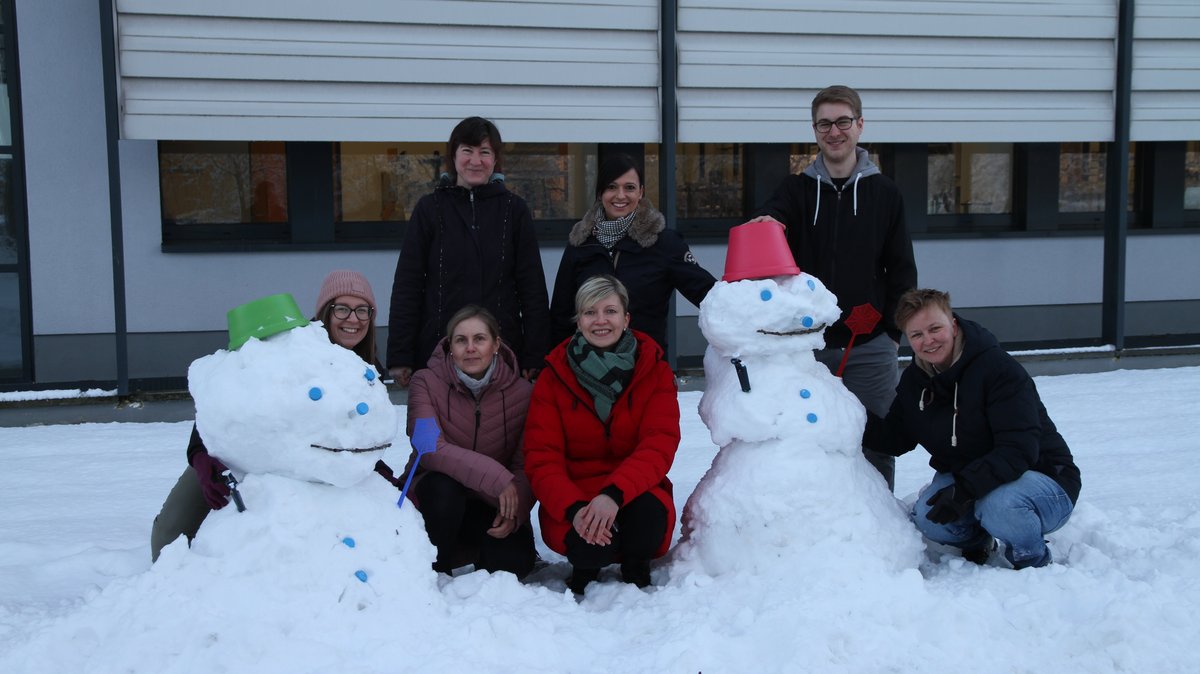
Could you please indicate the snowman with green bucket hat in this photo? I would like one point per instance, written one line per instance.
(301, 422)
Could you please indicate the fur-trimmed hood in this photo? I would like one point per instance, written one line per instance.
(645, 228)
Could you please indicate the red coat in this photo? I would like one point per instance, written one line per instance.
(570, 455)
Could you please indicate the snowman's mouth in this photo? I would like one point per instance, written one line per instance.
(353, 450)
(794, 333)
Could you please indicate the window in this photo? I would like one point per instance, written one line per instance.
(381, 182)
(709, 180)
(557, 180)
(969, 178)
(223, 182)
(1081, 177)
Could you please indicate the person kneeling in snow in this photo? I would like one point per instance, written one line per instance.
(346, 305)
(472, 491)
(1003, 470)
(602, 432)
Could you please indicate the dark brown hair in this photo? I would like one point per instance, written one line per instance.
(473, 131)
(613, 167)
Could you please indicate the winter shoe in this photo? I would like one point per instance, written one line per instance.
(580, 578)
(981, 554)
(636, 573)
(1044, 560)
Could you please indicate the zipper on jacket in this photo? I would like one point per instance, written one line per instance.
(475, 438)
(471, 195)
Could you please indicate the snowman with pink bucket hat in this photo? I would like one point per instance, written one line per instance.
(790, 481)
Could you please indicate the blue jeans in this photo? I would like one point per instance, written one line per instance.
(1018, 513)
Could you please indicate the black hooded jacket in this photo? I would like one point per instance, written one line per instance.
(650, 260)
(462, 247)
(980, 419)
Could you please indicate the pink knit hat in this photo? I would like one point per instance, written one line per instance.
(344, 282)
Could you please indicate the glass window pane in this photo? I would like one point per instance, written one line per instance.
(1191, 176)
(8, 234)
(223, 182)
(1081, 175)
(5, 106)
(651, 171)
(557, 180)
(969, 178)
(10, 326)
(381, 182)
(709, 180)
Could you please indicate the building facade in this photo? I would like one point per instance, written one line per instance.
(163, 161)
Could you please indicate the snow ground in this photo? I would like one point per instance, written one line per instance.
(77, 590)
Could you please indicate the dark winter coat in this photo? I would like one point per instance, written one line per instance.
(468, 247)
(480, 441)
(854, 239)
(980, 419)
(571, 455)
(651, 260)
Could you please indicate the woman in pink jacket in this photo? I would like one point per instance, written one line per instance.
(472, 491)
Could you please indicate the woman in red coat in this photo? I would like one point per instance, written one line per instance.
(601, 434)
(472, 491)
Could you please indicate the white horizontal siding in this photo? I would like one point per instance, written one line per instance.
(1166, 71)
(266, 70)
(950, 71)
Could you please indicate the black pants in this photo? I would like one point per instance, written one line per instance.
(457, 524)
(640, 527)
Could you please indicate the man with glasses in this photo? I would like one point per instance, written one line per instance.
(845, 225)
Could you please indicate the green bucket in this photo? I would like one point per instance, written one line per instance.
(262, 318)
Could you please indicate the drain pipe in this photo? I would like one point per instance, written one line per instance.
(668, 59)
(112, 111)
(1116, 199)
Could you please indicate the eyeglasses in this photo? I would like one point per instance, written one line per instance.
(843, 123)
(343, 312)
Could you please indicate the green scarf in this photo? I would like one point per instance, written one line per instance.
(604, 374)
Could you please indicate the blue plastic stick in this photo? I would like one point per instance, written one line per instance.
(424, 440)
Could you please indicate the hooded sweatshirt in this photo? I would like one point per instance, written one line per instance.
(853, 238)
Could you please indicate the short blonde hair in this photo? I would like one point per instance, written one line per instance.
(597, 288)
(917, 299)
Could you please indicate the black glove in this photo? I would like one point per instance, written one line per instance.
(949, 504)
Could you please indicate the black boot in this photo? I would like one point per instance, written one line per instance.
(580, 578)
(980, 554)
(636, 573)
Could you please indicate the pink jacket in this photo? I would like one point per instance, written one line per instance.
(480, 443)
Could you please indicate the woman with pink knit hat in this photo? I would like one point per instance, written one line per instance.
(346, 305)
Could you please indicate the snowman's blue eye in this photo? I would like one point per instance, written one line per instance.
(362, 408)
(807, 321)
(369, 374)
(811, 285)
(765, 295)
(314, 393)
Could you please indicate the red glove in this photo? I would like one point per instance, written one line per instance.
(212, 483)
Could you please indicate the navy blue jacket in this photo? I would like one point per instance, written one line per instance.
(996, 429)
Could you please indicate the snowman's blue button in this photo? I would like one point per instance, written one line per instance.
(807, 321)
(765, 295)
(348, 542)
(805, 393)
(314, 393)
(811, 285)
(362, 408)
(369, 374)
(812, 418)
(361, 575)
